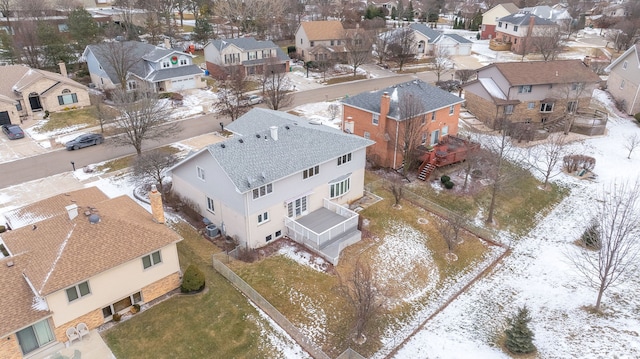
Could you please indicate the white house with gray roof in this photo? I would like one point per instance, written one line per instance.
(428, 40)
(247, 52)
(279, 175)
(158, 68)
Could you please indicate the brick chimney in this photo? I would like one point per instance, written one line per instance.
(157, 211)
(532, 23)
(385, 102)
(63, 69)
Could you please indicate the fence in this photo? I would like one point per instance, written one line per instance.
(263, 304)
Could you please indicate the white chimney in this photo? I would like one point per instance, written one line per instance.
(72, 210)
(349, 125)
(63, 69)
(167, 44)
(274, 132)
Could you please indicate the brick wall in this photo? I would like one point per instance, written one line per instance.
(9, 348)
(161, 287)
(92, 319)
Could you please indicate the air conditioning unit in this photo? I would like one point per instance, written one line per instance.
(212, 230)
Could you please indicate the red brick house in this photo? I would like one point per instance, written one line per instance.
(385, 115)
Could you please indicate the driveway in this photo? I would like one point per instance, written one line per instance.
(11, 150)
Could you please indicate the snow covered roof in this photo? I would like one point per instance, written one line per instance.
(492, 88)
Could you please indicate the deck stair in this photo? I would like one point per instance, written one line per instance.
(426, 169)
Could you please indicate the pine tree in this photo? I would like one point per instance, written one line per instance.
(410, 11)
(394, 13)
(519, 337)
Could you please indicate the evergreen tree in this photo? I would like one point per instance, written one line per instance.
(410, 11)
(203, 31)
(83, 29)
(519, 337)
(8, 51)
(394, 13)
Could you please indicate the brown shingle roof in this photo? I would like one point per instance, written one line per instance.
(62, 252)
(546, 72)
(16, 77)
(323, 30)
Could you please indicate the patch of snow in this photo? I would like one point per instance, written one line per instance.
(276, 338)
(304, 258)
(59, 254)
(39, 303)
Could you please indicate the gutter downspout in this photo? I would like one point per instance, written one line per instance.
(395, 146)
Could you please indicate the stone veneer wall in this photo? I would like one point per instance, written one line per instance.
(161, 287)
(92, 319)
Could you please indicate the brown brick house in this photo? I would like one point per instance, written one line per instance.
(79, 257)
(530, 92)
(384, 115)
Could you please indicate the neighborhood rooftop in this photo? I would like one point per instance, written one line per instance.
(545, 72)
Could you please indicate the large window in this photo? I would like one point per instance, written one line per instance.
(310, 172)
(67, 97)
(508, 109)
(122, 304)
(297, 207)
(151, 259)
(337, 189)
(78, 291)
(572, 106)
(35, 336)
(344, 159)
(546, 107)
(262, 191)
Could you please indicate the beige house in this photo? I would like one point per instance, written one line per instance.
(321, 40)
(491, 16)
(79, 257)
(624, 79)
(24, 90)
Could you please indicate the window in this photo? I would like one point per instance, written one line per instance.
(338, 42)
(297, 207)
(300, 41)
(424, 139)
(200, 171)
(445, 130)
(524, 89)
(546, 107)
(624, 65)
(375, 119)
(515, 28)
(67, 99)
(132, 85)
(19, 106)
(122, 304)
(515, 41)
(433, 116)
(367, 135)
(451, 109)
(210, 205)
(263, 217)
(268, 238)
(508, 109)
(63, 28)
(344, 159)
(78, 291)
(166, 64)
(278, 234)
(622, 84)
(35, 336)
(262, 191)
(577, 86)
(531, 105)
(311, 43)
(310, 172)
(500, 24)
(506, 26)
(339, 188)
(572, 106)
(332, 42)
(183, 62)
(423, 119)
(151, 259)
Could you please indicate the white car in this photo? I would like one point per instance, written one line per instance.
(254, 100)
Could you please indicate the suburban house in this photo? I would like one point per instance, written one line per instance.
(384, 4)
(538, 92)
(428, 40)
(491, 17)
(624, 79)
(278, 175)
(24, 90)
(383, 115)
(79, 257)
(321, 40)
(517, 32)
(143, 65)
(248, 53)
(22, 22)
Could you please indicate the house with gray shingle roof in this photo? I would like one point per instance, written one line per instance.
(82, 258)
(427, 40)
(520, 28)
(384, 115)
(247, 53)
(143, 65)
(279, 175)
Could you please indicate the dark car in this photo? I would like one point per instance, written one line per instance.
(13, 131)
(81, 141)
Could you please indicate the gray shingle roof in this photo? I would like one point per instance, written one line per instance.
(245, 43)
(432, 34)
(300, 145)
(458, 38)
(174, 72)
(431, 98)
(523, 18)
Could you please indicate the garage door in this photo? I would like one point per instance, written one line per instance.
(4, 118)
(182, 84)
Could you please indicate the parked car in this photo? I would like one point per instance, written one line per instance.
(85, 140)
(13, 131)
(253, 100)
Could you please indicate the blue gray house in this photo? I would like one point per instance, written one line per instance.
(279, 175)
(142, 65)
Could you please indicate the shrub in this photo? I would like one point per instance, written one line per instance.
(163, 95)
(117, 317)
(637, 116)
(193, 279)
(445, 179)
(574, 163)
(519, 337)
(2, 229)
(591, 236)
(448, 185)
(46, 113)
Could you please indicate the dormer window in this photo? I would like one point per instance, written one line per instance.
(515, 28)
(183, 62)
(499, 23)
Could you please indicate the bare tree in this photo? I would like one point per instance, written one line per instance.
(631, 143)
(412, 115)
(613, 235)
(403, 46)
(143, 117)
(548, 43)
(365, 296)
(120, 57)
(572, 93)
(231, 91)
(103, 113)
(396, 187)
(277, 86)
(546, 157)
(450, 228)
(358, 46)
(334, 110)
(623, 33)
(152, 165)
(464, 76)
(441, 61)
(381, 45)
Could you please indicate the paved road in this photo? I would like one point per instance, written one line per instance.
(59, 161)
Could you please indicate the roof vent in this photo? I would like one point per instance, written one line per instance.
(241, 140)
(223, 145)
(258, 135)
(94, 219)
(287, 127)
(10, 264)
(72, 209)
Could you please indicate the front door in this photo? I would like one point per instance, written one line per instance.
(4, 118)
(34, 101)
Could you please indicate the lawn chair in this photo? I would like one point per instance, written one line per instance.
(72, 334)
(82, 330)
